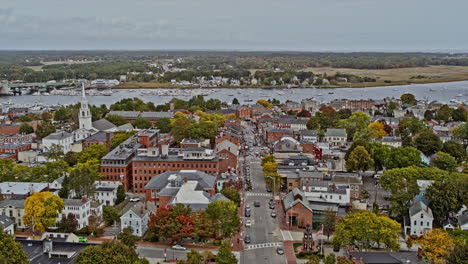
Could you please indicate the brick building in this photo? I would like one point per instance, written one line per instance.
(12, 149)
(274, 134)
(98, 138)
(16, 138)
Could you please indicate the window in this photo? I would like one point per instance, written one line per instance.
(427, 223)
(422, 224)
(422, 215)
(415, 223)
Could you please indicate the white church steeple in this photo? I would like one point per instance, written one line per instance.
(85, 114)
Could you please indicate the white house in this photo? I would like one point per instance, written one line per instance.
(63, 139)
(137, 218)
(310, 136)
(80, 208)
(336, 136)
(14, 209)
(106, 192)
(394, 142)
(420, 219)
(7, 224)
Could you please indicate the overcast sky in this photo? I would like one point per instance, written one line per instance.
(312, 25)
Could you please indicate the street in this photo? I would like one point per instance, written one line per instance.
(262, 248)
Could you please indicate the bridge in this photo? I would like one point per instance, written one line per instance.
(15, 88)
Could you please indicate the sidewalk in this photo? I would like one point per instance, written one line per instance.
(289, 251)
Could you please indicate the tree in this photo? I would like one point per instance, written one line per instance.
(180, 127)
(379, 153)
(446, 196)
(329, 222)
(408, 98)
(164, 125)
(40, 210)
(26, 129)
(455, 150)
(55, 153)
(444, 161)
(232, 194)
(235, 101)
(330, 259)
(109, 252)
(44, 129)
(82, 180)
(357, 121)
(427, 142)
(172, 222)
(141, 123)
(378, 128)
(10, 250)
(312, 123)
(208, 129)
(224, 215)
(356, 143)
(344, 113)
(268, 158)
(127, 237)
(264, 103)
(110, 214)
(93, 152)
(25, 118)
(120, 194)
(68, 224)
(71, 158)
(327, 117)
(363, 228)
(403, 157)
(359, 160)
(460, 114)
(194, 257)
(270, 168)
(94, 220)
(461, 132)
(437, 245)
(116, 120)
(225, 255)
(444, 113)
(119, 137)
(459, 255)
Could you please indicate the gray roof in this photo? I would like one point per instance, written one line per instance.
(419, 206)
(125, 127)
(156, 115)
(58, 135)
(103, 124)
(5, 221)
(99, 136)
(388, 257)
(347, 178)
(309, 133)
(391, 139)
(160, 181)
(137, 209)
(336, 132)
(73, 202)
(34, 250)
(17, 203)
(125, 114)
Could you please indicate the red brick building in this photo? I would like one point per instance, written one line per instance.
(14, 128)
(227, 148)
(12, 149)
(98, 138)
(16, 138)
(274, 134)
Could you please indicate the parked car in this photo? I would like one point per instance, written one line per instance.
(248, 223)
(247, 240)
(178, 247)
(273, 213)
(134, 199)
(280, 250)
(272, 206)
(268, 189)
(82, 239)
(257, 204)
(247, 213)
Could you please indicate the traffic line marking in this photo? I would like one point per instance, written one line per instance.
(264, 245)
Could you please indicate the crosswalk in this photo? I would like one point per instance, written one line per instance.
(258, 194)
(265, 245)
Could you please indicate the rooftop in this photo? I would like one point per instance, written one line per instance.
(22, 188)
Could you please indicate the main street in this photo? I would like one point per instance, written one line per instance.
(264, 229)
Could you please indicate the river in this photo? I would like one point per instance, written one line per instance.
(442, 92)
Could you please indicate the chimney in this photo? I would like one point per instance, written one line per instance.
(83, 199)
(171, 106)
(185, 179)
(146, 205)
(108, 141)
(142, 209)
(164, 150)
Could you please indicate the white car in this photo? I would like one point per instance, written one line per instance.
(248, 223)
(178, 247)
(134, 199)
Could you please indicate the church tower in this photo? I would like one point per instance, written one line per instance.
(85, 114)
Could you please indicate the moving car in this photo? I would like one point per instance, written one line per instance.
(268, 189)
(272, 206)
(248, 223)
(257, 204)
(134, 199)
(247, 240)
(273, 213)
(82, 239)
(178, 247)
(280, 250)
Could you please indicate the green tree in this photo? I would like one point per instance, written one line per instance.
(455, 150)
(119, 137)
(120, 194)
(408, 98)
(225, 255)
(444, 161)
(444, 113)
(359, 160)
(313, 123)
(55, 153)
(232, 194)
(329, 222)
(25, 118)
(141, 123)
(356, 143)
(40, 210)
(461, 132)
(26, 129)
(10, 250)
(44, 129)
(330, 259)
(110, 214)
(68, 224)
(446, 197)
(427, 142)
(379, 153)
(71, 158)
(403, 157)
(208, 129)
(109, 252)
(460, 114)
(164, 125)
(344, 113)
(224, 214)
(127, 237)
(116, 120)
(180, 127)
(93, 152)
(82, 180)
(459, 255)
(357, 121)
(363, 228)
(194, 257)
(235, 101)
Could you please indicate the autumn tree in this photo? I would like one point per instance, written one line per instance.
(363, 229)
(327, 117)
(180, 127)
(408, 98)
(268, 158)
(11, 251)
(109, 252)
(437, 245)
(444, 161)
(119, 137)
(359, 160)
(264, 103)
(40, 210)
(194, 257)
(172, 222)
(378, 128)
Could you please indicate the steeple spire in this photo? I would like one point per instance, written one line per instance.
(83, 90)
